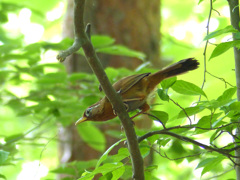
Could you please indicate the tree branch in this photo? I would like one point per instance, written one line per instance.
(225, 152)
(82, 39)
(234, 17)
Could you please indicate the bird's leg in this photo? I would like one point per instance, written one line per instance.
(145, 107)
(126, 106)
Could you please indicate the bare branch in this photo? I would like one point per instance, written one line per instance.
(225, 152)
(82, 39)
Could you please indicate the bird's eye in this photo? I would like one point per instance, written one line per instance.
(88, 112)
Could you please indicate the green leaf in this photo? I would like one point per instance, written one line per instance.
(227, 95)
(34, 5)
(209, 164)
(163, 142)
(53, 78)
(228, 29)
(190, 111)
(104, 169)
(77, 76)
(92, 136)
(99, 41)
(122, 154)
(3, 18)
(3, 177)
(206, 121)
(199, 2)
(70, 168)
(144, 149)
(187, 88)
(106, 176)
(118, 173)
(13, 138)
(64, 170)
(235, 106)
(167, 83)
(104, 156)
(55, 66)
(3, 156)
(177, 148)
(163, 116)
(122, 51)
(113, 133)
(151, 167)
(223, 47)
(108, 167)
(64, 44)
(163, 94)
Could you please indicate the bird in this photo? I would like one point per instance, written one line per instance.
(134, 91)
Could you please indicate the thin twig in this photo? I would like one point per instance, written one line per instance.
(190, 121)
(174, 159)
(222, 79)
(205, 47)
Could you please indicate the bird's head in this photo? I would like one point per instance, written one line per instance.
(100, 111)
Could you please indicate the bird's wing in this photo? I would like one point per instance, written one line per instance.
(126, 83)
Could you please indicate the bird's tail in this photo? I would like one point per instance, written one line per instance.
(174, 70)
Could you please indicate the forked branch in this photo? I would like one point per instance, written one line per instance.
(82, 39)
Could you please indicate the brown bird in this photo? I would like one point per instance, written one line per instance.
(134, 91)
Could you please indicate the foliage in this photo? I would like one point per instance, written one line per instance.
(37, 96)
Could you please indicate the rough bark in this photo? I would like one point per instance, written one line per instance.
(234, 17)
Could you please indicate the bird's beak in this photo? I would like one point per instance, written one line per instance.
(82, 119)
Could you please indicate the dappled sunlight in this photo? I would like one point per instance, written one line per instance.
(32, 171)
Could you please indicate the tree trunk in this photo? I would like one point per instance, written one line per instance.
(234, 17)
(135, 24)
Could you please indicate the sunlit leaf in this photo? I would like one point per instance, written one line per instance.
(223, 47)
(199, 2)
(104, 169)
(189, 111)
(227, 94)
(122, 154)
(228, 29)
(104, 156)
(167, 83)
(187, 88)
(207, 121)
(118, 173)
(209, 163)
(108, 167)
